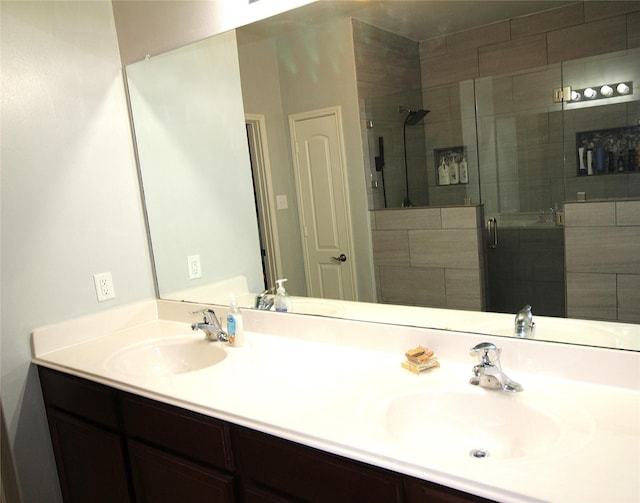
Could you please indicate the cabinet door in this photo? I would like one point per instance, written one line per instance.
(421, 491)
(90, 461)
(184, 433)
(159, 477)
(307, 474)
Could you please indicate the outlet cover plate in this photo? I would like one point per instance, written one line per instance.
(195, 267)
(104, 286)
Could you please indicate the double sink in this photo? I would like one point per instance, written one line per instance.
(440, 414)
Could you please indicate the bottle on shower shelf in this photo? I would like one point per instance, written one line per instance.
(600, 168)
(464, 171)
(582, 170)
(454, 171)
(632, 159)
(443, 173)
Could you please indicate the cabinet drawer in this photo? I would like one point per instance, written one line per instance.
(159, 477)
(192, 435)
(309, 474)
(79, 397)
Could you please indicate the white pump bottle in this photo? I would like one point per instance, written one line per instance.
(282, 301)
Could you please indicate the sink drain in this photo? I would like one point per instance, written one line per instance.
(479, 453)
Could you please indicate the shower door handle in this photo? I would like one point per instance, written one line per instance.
(492, 232)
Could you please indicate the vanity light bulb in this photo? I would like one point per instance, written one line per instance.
(575, 96)
(590, 93)
(606, 91)
(622, 88)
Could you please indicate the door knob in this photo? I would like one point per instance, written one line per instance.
(341, 258)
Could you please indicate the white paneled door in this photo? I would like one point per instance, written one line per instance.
(323, 201)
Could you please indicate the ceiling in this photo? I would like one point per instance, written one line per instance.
(414, 19)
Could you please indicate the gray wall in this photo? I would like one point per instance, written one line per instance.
(315, 69)
(70, 195)
(70, 202)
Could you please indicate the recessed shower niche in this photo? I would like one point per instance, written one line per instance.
(608, 151)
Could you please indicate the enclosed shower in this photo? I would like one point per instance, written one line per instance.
(524, 155)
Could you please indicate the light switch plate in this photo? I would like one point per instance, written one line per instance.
(281, 202)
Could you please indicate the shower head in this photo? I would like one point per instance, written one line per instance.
(415, 116)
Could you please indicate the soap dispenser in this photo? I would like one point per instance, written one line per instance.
(282, 302)
(235, 329)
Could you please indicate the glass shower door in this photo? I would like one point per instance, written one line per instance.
(520, 150)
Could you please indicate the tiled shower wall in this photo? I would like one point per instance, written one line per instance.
(386, 64)
(575, 31)
(523, 138)
(602, 247)
(429, 256)
(516, 46)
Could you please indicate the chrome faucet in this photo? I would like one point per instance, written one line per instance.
(210, 325)
(524, 324)
(488, 372)
(263, 301)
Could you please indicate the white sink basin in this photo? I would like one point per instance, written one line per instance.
(167, 356)
(485, 423)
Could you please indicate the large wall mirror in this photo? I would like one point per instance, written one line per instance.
(417, 86)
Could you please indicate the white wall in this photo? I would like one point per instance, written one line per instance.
(70, 202)
(156, 26)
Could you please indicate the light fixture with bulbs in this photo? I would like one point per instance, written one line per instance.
(593, 93)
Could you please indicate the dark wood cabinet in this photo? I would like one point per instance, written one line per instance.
(159, 477)
(112, 446)
(421, 491)
(307, 474)
(193, 436)
(90, 460)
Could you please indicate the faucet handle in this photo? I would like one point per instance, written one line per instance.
(523, 323)
(209, 315)
(486, 346)
(525, 316)
(483, 348)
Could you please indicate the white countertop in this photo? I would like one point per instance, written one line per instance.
(327, 384)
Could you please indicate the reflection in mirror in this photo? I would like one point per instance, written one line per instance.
(193, 157)
(490, 107)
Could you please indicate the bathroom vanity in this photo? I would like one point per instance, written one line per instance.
(141, 408)
(167, 453)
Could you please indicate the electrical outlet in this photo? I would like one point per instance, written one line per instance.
(104, 286)
(195, 268)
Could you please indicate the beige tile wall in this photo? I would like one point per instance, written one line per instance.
(429, 256)
(574, 31)
(386, 64)
(528, 57)
(602, 253)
